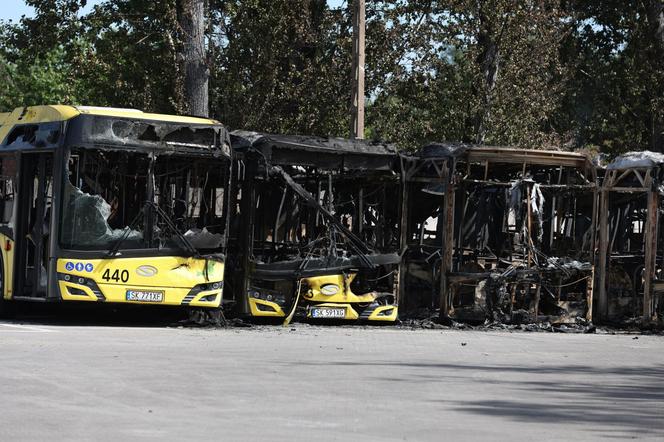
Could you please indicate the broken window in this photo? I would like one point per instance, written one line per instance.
(134, 200)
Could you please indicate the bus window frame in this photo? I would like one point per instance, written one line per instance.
(72, 140)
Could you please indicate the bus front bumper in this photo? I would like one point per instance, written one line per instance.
(78, 288)
(328, 311)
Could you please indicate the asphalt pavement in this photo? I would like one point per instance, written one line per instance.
(66, 381)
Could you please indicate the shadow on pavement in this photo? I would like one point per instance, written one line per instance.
(614, 401)
(69, 314)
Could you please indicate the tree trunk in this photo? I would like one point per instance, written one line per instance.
(489, 58)
(357, 94)
(196, 72)
(655, 14)
(656, 21)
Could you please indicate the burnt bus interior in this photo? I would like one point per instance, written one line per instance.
(497, 234)
(630, 259)
(105, 201)
(133, 185)
(310, 207)
(425, 183)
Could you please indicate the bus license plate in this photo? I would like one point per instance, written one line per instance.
(328, 312)
(145, 295)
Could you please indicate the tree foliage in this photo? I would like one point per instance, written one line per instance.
(534, 73)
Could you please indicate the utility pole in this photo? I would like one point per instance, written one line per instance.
(357, 97)
(192, 25)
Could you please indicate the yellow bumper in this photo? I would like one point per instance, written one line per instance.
(382, 313)
(164, 281)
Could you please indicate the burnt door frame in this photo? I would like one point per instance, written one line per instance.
(31, 225)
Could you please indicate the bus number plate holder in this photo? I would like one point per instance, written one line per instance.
(145, 295)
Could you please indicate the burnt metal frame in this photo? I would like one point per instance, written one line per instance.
(615, 182)
(448, 173)
(262, 159)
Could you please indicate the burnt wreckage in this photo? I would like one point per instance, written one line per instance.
(146, 185)
(631, 282)
(345, 229)
(500, 234)
(318, 228)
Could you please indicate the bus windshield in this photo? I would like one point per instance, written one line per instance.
(132, 200)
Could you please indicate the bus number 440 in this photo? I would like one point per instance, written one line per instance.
(116, 276)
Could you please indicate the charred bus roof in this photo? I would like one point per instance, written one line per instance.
(637, 160)
(498, 154)
(110, 128)
(323, 153)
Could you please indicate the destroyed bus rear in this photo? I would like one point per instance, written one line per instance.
(113, 205)
(500, 234)
(317, 229)
(630, 262)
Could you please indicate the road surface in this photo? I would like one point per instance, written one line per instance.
(61, 381)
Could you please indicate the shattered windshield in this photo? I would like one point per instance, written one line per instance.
(135, 200)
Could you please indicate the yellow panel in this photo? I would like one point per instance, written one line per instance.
(390, 317)
(67, 296)
(41, 114)
(172, 295)
(36, 114)
(344, 293)
(51, 113)
(173, 275)
(8, 265)
(253, 306)
(136, 114)
(197, 302)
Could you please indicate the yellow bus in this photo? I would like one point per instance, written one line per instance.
(112, 205)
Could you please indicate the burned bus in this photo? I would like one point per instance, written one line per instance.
(112, 205)
(631, 283)
(318, 228)
(500, 234)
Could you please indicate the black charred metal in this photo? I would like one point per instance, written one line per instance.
(311, 206)
(496, 232)
(630, 278)
(477, 234)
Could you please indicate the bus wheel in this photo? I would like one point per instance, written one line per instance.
(206, 317)
(7, 308)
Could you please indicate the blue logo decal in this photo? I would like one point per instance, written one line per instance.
(79, 266)
(89, 267)
(69, 266)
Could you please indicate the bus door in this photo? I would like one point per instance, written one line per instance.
(34, 195)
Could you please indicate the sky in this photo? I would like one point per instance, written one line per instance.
(14, 9)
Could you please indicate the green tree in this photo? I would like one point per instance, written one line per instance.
(464, 70)
(615, 98)
(45, 79)
(282, 66)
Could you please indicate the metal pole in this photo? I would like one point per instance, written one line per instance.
(357, 98)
